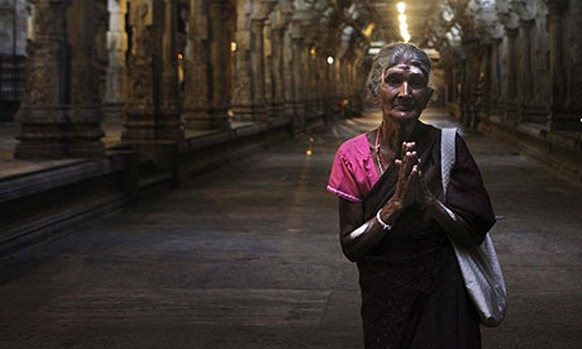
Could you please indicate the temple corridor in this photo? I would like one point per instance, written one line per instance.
(247, 256)
(163, 164)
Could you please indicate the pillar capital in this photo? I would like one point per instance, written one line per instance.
(263, 10)
(556, 4)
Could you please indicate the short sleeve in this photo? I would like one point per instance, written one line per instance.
(342, 181)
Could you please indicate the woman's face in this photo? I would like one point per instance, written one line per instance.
(404, 93)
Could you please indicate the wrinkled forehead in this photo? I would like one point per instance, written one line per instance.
(405, 67)
(409, 64)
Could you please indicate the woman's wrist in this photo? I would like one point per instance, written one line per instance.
(384, 225)
(388, 214)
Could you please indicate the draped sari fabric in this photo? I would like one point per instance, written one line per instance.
(413, 295)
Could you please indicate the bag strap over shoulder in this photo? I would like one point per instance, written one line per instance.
(448, 136)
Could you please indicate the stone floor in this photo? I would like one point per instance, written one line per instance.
(247, 256)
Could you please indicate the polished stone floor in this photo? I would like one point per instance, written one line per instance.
(247, 257)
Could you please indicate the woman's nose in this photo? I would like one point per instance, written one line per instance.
(404, 89)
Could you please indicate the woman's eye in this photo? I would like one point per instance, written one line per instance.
(393, 80)
(417, 83)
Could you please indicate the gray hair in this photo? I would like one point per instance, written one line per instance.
(389, 56)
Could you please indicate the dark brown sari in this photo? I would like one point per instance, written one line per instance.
(413, 294)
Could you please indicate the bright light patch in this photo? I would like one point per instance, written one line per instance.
(401, 6)
(330, 60)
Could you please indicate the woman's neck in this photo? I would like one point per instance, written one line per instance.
(394, 133)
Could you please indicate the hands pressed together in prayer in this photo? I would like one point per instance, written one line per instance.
(410, 187)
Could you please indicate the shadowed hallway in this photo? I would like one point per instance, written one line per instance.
(247, 256)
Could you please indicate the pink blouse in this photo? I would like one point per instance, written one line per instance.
(353, 173)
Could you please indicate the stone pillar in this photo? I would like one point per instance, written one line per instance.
(487, 78)
(268, 58)
(249, 98)
(257, 72)
(170, 104)
(242, 99)
(218, 64)
(59, 116)
(115, 93)
(511, 103)
(528, 110)
(497, 101)
(84, 66)
(152, 106)
(299, 79)
(277, 54)
(288, 76)
(557, 118)
(196, 105)
(102, 54)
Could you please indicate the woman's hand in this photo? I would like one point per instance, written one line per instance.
(405, 193)
(422, 195)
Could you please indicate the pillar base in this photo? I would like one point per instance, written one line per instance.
(537, 115)
(112, 112)
(55, 138)
(249, 113)
(565, 121)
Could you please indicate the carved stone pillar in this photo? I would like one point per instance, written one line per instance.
(101, 27)
(59, 116)
(528, 111)
(312, 73)
(196, 105)
(487, 78)
(299, 80)
(151, 110)
(497, 101)
(257, 51)
(249, 98)
(115, 93)
(219, 63)
(268, 58)
(288, 76)
(558, 117)
(277, 71)
(511, 104)
(170, 89)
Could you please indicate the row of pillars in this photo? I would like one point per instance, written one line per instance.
(271, 74)
(533, 86)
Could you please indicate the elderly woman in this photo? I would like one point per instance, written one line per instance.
(393, 219)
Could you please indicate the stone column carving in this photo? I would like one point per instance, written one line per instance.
(84, 90)
(497, 100)
(288, 76)
(196, 106)
(558, 96)
(277, 68)
(49, 127)
(170, 91)
(511, 105)
(257, 52)
(219, 63)
(299, 78)
(115, 93)
(101, 27)
(527, 108)
(151, 111)
(488, 78)
(249, 98)
(242, 98)
(268, 58)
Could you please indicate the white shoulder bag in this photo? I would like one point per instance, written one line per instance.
(479, 266)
